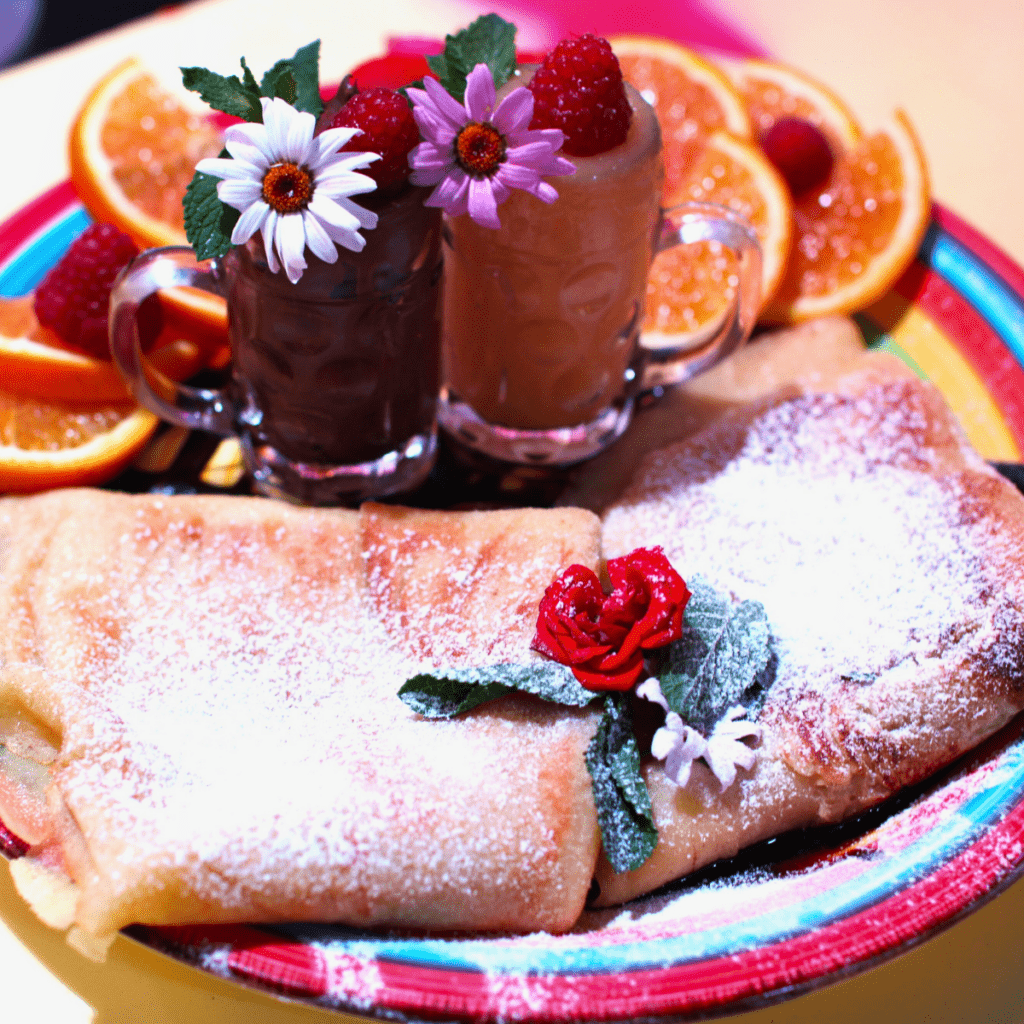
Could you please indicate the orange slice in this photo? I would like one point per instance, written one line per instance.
(856, 235)
(772, 91)
(62, 444)
(692, 98)
(34, 362)
(133, 152)
(687, 288)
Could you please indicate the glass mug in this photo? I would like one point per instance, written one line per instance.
(334, 380)
(541, 350)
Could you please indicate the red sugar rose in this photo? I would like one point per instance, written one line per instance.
(601, 636)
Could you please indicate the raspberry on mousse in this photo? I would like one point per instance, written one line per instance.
(387, 127)
(579, 89)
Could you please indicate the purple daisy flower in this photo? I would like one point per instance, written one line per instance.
(475, 154)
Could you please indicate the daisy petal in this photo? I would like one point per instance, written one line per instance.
(319, 242)
(330, 213)
(246, 152)
(300, 137)
(269, 226)
(230, 169)
(239, 194)
(250, 222)
(254, 135)
(367, 218)
(290, 241)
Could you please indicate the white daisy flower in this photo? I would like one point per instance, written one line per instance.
(293, 187)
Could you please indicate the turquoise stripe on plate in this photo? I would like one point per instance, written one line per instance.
(29, 266)
(983, 288)
(880, 881)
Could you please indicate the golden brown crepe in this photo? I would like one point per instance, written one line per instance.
(890, 561)
(214, 681)
(198, 710)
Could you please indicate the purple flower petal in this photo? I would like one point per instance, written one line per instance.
(514, 112)
(480, 93)
(483, 207)
(443, 105)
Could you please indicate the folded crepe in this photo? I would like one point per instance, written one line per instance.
(889, 559)
(205, 689)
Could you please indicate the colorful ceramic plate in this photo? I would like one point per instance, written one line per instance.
(786, 916)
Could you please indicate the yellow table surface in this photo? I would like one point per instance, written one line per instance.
(956, 67)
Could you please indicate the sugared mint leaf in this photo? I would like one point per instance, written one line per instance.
(229, 95)
(449, 692)
(489, 40)
(434, 697)
(208, 221)
(725, 657)
(620, 793)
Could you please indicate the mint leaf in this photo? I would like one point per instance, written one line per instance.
(226, 94)
(725, 657)
(208, 221)
(305, 69)
(434, 697)
(451, 692)
(280, 85)
(620, 793)
(489, 40)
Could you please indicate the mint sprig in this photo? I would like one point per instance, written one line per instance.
(725, 657)
(612, 758)
(208, 221)
(296, 80)
(628, 833)
(489, 40)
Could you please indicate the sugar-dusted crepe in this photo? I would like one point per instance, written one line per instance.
(890, 561)
(213, 681)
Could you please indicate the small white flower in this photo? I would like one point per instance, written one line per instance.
(679, 745)
(726, 749)
(675, 742)
(293, 187)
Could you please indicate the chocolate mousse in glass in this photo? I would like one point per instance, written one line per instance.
(335, 377)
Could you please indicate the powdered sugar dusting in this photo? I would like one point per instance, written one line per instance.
(234, 729)
(836, 515)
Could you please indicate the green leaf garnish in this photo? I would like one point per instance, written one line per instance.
(229, 95)
(623, 804)
(489, 40)
(725, 657)
(208, 221)
(297, 80)
(451, 692)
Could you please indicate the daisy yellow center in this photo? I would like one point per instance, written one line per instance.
(287, 188)
(480, 149)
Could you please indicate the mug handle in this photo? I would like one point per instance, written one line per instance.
(173, 266)
(706, 222)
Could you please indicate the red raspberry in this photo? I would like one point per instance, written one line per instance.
(800, 153)
(73, 298)
(387, 127)
(578, 88)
